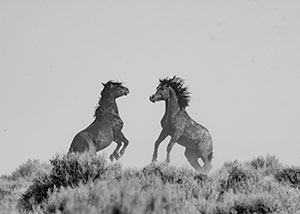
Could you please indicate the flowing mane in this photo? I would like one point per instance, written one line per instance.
(181, 91)
(103, 101)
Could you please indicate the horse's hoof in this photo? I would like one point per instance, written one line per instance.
(117, 156)
(154, 158)
(122, 152)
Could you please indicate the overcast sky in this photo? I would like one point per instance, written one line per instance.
(240, 60)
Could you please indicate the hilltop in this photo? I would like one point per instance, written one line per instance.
(89, 184)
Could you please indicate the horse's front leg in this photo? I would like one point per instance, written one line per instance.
(122, 138)
(173, 140)
(163, 134)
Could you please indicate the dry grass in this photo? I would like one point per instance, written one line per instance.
(89, 184)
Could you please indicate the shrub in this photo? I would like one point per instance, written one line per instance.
(239, 178)
(247, 204)
(255, 206)
(12, 186)
(166, 173)
(153, 170)
(272, 162)
(172, 174)
(68, 170)
(88, 184)
(289, 176)
(29, 170)
(36, 193)
(269, 165)
(109, 197)
(258, 163)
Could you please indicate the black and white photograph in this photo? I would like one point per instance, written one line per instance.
(149, 107)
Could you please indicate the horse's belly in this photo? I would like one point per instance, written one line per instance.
(192, 138)
(187, 142)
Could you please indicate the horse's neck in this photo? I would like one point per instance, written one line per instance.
(172, 106)
(108, 106)
(114, 108)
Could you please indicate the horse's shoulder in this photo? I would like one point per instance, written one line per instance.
(116, 121)
(180, 120)
(182, 116)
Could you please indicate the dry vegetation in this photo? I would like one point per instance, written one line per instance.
(89, 184)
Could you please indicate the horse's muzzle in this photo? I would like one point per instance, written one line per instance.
(126, 92)
(152, 98)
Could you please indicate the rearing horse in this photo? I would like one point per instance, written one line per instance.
(107, 125)
(180, 126)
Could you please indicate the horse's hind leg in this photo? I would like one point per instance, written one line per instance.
(193, 156)
(205, 153)
(207, 164)
(115, 153)
(82, 143)
(122, 138)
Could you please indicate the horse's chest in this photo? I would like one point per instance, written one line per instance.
(117, 124)
(170, 125)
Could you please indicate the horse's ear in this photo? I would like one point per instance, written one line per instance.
(103, 84)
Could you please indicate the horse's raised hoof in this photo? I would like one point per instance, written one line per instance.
(122, 152)
(111, 157)
(117, 156)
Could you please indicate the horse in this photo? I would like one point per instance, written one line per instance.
(177, 123)
(106, 127)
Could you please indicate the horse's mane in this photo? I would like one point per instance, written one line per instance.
(102, 105)
(181, 91)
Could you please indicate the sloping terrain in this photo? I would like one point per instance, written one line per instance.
(89, 184)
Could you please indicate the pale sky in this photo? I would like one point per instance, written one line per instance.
(240, 60)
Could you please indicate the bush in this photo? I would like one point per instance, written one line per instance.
(290, 176)
(255, 206)
(269, 165)
(13, 186)
(239, 178)
(68, 170)
(88, 184)
(108, 197)
(247, 204)
(157, 188)
(37, 192)
(173, 175)
(258, 163)
(29, 170)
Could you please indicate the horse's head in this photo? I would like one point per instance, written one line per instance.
(168, 85)
(161, 93)
(115, 89)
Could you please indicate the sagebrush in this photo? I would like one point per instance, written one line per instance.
(89, 184)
